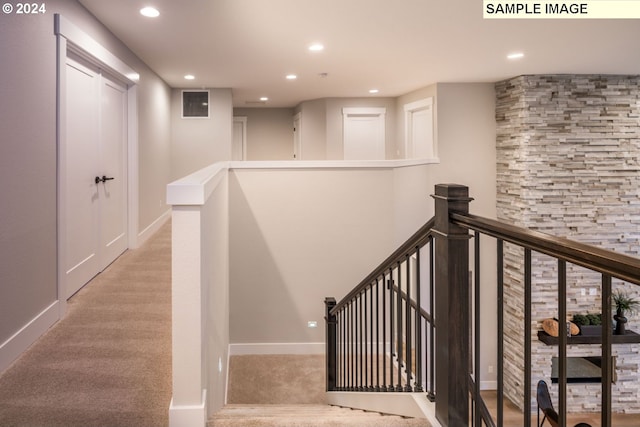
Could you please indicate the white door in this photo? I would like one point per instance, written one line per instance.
(364, 133)
(419, 129)
(239, 146)
(93, 174)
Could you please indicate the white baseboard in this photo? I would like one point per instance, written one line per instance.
(13, 347)
(488, 385)
(145, 234)
(276, 348)
(189, 415)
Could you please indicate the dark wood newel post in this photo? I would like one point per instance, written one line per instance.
(452, 307)
(331, 347)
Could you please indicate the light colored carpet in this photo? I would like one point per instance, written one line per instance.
(306, 416)
(273, 379)
(108, 362)
(289, 391)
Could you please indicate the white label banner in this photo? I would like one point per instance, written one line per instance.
(554, 9)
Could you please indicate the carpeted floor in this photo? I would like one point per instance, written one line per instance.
(306, 416)
(108, 362)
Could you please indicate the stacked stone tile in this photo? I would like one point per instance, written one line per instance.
(568, 164)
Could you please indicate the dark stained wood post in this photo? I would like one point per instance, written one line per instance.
(332, 345)
(452, 307)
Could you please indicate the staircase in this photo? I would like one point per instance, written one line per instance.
(288, 391)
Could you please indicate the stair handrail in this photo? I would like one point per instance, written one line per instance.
(602, 260)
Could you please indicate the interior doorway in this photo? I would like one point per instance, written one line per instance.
(95, 173)
(364, 133)
(97, 158)
(239, 146)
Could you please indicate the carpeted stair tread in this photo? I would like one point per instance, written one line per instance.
(247, 415)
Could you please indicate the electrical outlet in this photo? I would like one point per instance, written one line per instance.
(593, 292)
(490, 369)
(583, 292)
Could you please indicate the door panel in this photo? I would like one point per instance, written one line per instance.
(113, 193)
(82, 260)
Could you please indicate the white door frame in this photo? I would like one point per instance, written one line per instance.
(71, 38)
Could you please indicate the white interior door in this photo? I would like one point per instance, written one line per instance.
(94, 173)
(239, 146)
(419, 130)
(364, 133)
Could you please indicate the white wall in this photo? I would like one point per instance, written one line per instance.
(269, 132)
(200, 142)
(298, 236)
(28, 219)
(313, 129)
(467, 152)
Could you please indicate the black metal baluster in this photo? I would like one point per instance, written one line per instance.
(344, 348)
(477, 419)
(359, 341)
(343, 352)
(391, 329)
(399, 328)
(352, 358)
(338, 350)
(407, 358)
(377, 335)
(371, 386)
(500, 361)
(418, 316)
(345, 356)
(384, 335)
(365, 348)
(431, 394)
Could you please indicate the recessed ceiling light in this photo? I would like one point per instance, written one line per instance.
(515, 55)
(374, 91)
(316, 47)
(189, 77)
(264, 99)
(291, 77)
(149, 12)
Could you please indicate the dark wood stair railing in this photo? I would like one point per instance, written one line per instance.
(375, 332)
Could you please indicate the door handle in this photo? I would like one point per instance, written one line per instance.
(103, 179)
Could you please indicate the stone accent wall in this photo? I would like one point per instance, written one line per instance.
(568, 164)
